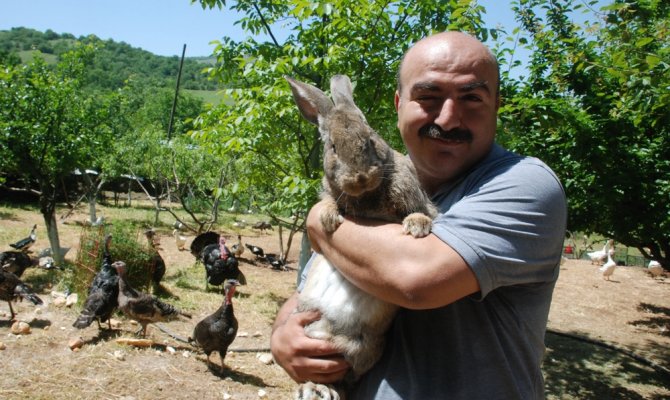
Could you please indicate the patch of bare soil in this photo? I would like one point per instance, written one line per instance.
(632, 311)
(42, 366)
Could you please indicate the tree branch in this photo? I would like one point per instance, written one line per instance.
(265, 24)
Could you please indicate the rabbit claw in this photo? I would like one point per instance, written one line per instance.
(417, 225)
(331, 218)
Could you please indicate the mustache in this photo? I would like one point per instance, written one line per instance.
(435, 132)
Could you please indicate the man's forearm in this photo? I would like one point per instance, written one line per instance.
(285, 311)
(380, 259)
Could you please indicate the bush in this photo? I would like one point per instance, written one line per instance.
(128, 245)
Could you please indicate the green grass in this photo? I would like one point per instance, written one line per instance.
(213, 97)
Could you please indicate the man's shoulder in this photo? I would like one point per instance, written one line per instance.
(522, 169)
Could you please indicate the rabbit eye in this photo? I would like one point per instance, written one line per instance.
(332, 147)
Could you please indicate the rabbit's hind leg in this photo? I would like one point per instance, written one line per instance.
(316, 391)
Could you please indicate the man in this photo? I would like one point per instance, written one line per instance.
(475, 293)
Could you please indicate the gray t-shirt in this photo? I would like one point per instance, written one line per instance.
(507, 219)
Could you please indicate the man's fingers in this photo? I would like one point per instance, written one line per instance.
(306, 317)
(324, 370)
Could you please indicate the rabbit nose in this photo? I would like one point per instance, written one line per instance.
(361, 178)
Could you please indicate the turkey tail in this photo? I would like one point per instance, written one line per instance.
(168, 310)
(23, 291)
(202, 240)
(242, 279)
(84, 320)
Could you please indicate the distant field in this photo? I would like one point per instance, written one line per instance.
(29, 55)
(209, 96)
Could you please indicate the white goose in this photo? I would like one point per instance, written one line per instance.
(599, 256)
(655, 268)
(608, 268)
(179, 239)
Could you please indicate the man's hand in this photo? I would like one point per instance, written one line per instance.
(304, 358)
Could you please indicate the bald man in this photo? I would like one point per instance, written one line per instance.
(475, 293)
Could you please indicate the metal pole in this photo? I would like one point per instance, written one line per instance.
(176, 93)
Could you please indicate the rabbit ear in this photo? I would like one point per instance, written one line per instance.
(313, 104)
(341, 90)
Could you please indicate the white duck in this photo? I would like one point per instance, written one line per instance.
(655, 268)
(608, 268)
(179, 239)
(599, 256)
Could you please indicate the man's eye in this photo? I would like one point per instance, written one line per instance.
(471, 97)
(428, 101)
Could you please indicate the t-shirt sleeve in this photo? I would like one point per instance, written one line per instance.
(508, 226)
(304, 271)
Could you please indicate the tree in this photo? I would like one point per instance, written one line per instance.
(260, 126)
(48, 128)
(169, 168)
(596, 107)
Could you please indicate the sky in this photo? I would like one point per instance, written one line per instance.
(159, 26)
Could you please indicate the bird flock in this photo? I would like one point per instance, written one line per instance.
(605, 260)
(110, 290)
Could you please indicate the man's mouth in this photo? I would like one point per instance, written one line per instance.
(451, 136)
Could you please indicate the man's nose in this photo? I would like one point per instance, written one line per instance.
(449, 117)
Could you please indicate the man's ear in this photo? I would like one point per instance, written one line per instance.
(396, 100)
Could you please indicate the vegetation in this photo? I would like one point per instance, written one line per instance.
(261, 127)
(129, 245)
(596, 107)
(57, 119)
(48, 128)
(593, 104)
(114, 64)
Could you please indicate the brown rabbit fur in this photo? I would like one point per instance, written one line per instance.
(363, 177)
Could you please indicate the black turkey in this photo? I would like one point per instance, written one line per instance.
(11, 287)
(17, 262)
(220, 263)
(103, 293)
(217, 331)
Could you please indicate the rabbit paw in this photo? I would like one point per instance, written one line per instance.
(315, 391)
(331, 218)
(417, 225)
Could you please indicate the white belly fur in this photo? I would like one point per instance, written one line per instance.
(354, 320)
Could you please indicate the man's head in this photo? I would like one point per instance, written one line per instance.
(447, 102)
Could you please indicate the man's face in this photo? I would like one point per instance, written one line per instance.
(447, 108)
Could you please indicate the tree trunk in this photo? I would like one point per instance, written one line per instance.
(91, 194)
(48, 210)
(129, 193)
(157, 213)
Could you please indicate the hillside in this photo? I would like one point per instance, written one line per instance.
(114, 63)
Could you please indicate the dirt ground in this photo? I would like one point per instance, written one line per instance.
(632, 312)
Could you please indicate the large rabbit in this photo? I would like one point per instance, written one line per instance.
(363, 177)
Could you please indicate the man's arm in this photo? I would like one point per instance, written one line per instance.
(304, 358)
(398, 268)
